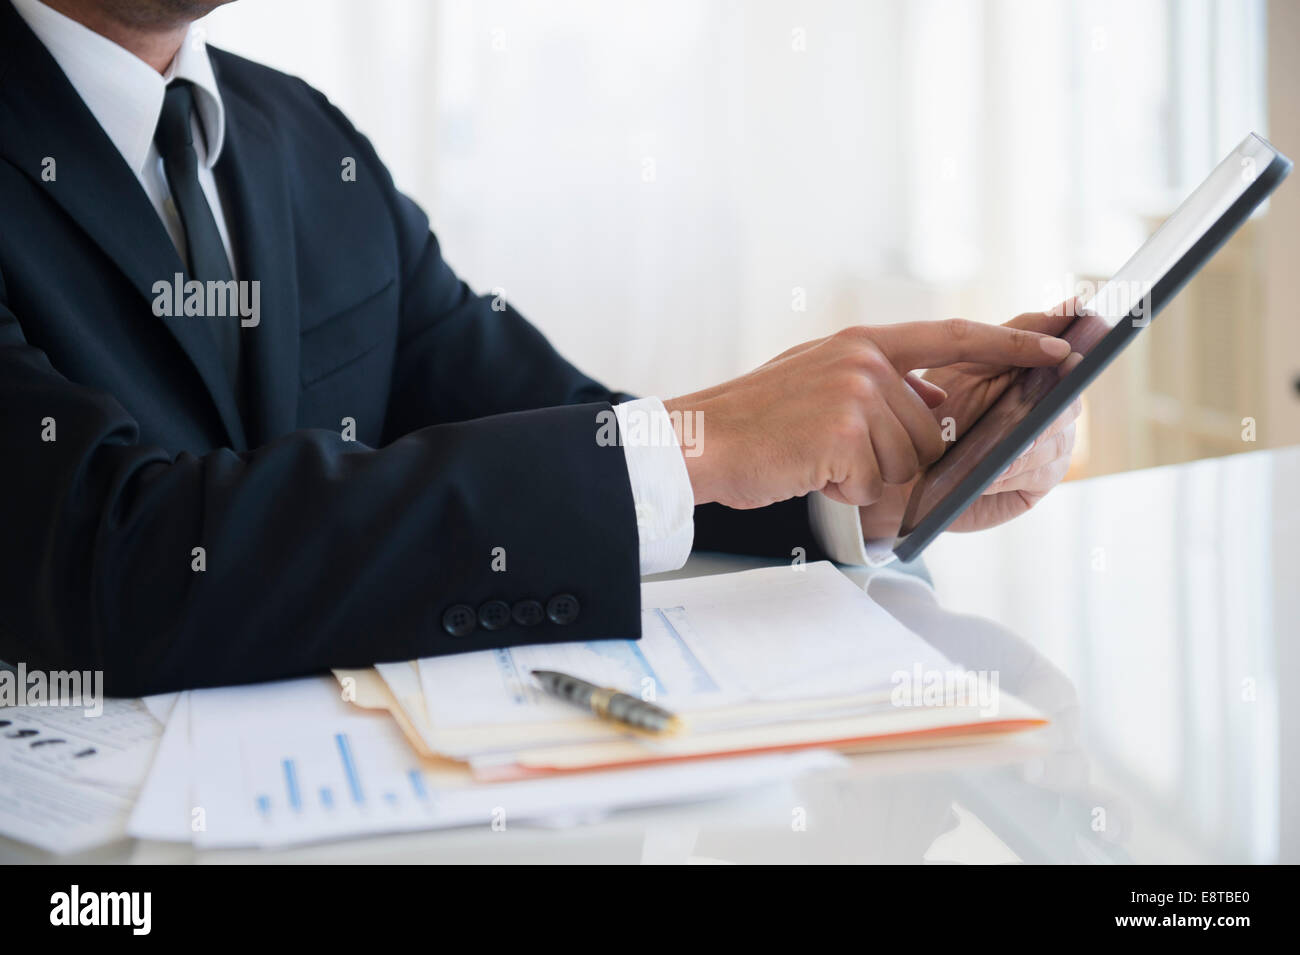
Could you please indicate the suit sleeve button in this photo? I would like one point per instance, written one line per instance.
(562, 609)
(528, 613)
(494, 615)
(459, 620)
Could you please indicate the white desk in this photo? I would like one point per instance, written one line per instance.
(1154, 614)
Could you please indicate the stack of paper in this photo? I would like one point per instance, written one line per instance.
(68, 775)
(285, 763)
(772, 670)
(766, 660)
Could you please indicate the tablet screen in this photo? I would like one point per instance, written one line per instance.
(1121, 306)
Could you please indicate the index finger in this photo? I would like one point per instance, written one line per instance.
(932, 344)
(1050, 321)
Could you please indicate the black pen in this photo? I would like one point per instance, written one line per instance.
(608, 703)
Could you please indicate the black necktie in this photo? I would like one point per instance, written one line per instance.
(207, 254)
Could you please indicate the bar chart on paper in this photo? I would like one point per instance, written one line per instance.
(332, 780)
(343, 773)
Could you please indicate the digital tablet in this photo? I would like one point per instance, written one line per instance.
(1107, 322)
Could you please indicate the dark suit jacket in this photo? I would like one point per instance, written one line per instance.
(472, 433)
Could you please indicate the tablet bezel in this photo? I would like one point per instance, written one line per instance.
(1068, 388)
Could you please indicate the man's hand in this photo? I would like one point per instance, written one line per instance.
(970, 388)
(841, 414)
(1028, 479)
(1022, 485)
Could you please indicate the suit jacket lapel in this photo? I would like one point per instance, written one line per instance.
(42, 116)
(251, 176)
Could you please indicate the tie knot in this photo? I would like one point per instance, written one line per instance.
(174, 136)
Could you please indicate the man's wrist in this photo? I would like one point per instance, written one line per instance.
(685, 415)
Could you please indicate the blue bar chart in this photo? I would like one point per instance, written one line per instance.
(293, 763)
(325, 779)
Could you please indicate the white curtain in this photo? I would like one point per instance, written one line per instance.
(676, 190)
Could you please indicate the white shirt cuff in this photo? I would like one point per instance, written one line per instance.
(661, 488)
(837, 528)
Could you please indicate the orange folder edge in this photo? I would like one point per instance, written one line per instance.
(846, 745)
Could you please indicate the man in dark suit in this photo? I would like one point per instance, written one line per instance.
(254, 427)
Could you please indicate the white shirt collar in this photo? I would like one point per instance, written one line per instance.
(122, 91)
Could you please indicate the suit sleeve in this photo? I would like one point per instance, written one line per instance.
(780, 531)
(168, 570)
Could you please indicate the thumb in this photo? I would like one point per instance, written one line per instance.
(929, 392)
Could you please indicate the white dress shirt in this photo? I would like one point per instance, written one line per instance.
(125, 95)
